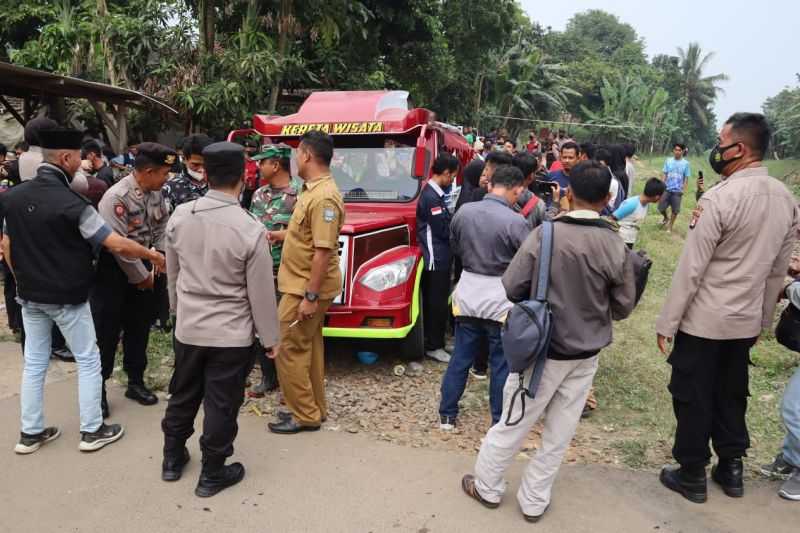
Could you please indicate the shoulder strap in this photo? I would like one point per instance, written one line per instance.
(545, 256)
(528, 207)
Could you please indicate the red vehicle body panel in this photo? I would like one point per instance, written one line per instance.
(374, 233)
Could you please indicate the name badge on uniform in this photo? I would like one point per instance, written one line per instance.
(328, 214)
(436, 211)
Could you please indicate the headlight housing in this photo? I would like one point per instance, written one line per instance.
(389, 275)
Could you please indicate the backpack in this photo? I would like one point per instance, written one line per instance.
(528, 328)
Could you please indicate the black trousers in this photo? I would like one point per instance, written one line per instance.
(120, 308)
(435, 312)
(161, 314)
(216, 377)
(709, 387)
(13, 309)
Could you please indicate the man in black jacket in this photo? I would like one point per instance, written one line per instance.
(51, 239)
(433, 237)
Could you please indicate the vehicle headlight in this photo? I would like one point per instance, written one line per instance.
(389, 275)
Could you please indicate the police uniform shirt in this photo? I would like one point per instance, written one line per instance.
(219, 273)
(732, 268)
(316, 222)
(139, 215)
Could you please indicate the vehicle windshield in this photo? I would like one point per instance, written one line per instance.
(375, 174)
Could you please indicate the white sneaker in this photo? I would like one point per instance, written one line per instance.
(447, 423)
(439, 355)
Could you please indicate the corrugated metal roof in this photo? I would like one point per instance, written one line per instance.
(23, 82)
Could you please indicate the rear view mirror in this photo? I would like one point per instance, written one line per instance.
(422, 161)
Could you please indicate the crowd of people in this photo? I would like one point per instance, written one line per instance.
(223, 240)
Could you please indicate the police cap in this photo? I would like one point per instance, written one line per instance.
(224, 159)
(155, 154)
(60, 139)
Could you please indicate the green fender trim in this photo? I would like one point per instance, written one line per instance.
(382, 333)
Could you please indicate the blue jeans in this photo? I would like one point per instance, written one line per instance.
(790, 410)
(468, 336)
(75, 322)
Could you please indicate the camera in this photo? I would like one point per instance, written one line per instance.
(544, 189)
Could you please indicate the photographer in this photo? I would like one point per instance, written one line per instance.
(529, 205)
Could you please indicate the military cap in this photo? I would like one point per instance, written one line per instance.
(224, 158)
(155, 154)
(273, 151)
(60, 139)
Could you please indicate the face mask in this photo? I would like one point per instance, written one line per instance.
(197, 176)
(716, 160)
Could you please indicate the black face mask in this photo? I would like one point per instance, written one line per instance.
(715, 159)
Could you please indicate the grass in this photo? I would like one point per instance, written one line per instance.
(631, 384)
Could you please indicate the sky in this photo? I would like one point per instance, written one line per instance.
(756, 43)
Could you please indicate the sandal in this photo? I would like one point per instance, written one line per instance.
(468, 484)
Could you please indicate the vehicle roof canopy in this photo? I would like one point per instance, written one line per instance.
(347, 113)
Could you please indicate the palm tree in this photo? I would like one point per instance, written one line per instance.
(699, 90)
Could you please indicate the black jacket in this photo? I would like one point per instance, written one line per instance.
(52, 262)
(433, 228)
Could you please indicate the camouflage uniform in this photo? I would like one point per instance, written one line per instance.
(273, 208)
(181, 189)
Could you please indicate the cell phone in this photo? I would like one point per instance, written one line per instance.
(544, 187)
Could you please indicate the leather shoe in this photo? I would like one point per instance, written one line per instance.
(690, 485)
(172, 467)
(286, 415)
(728, 474)
(141, 394)
(289, 427)
(212, 482)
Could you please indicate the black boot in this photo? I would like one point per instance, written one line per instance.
(688, 482)
(104, 402)
(728, 474)
(215, 478)
(172, 466)
(139, 393)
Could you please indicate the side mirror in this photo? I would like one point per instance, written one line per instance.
(422, 162)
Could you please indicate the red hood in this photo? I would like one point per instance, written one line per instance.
(361, 222)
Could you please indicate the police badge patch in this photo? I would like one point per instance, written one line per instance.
(328, 214)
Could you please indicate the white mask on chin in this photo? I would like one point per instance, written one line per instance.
(195, 175)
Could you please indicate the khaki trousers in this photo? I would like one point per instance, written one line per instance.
(561, 396)
(301, 361)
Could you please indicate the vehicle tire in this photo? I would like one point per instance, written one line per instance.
(413, 346)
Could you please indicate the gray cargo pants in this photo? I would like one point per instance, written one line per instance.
(561, 396)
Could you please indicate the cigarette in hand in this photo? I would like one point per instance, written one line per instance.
(293, 324)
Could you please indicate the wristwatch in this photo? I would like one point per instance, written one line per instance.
(311, 296)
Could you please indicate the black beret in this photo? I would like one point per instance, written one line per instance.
(60, 139)
(36, 126)
(223, 158)
(155, 154)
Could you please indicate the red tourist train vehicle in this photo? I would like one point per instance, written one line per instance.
(384, 151)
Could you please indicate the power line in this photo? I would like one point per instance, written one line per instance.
(535, 120)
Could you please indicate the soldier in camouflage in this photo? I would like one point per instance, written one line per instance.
(273, 204)
(191, 183)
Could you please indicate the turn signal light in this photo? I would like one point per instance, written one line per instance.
(378, 322)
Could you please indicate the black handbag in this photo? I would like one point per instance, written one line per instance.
(788, 330)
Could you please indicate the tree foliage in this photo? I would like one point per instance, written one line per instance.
(783, 113)
(478, 63)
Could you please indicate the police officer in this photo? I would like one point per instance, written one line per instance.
(273, 205)
(723, 294)
(50, 244)
(123, 298)
(190, 184)
(220, 285)
(308, 279)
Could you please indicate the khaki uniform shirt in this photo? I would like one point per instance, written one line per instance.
(734, 261)
(316, 222)
(219, 274)
(138, 215)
